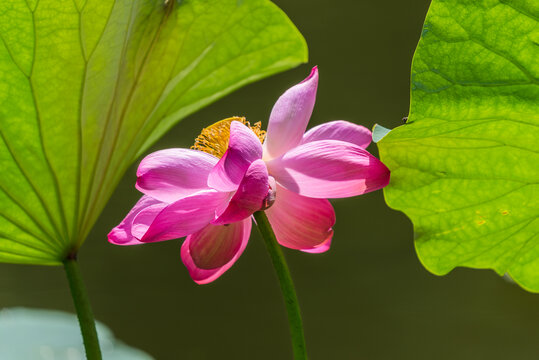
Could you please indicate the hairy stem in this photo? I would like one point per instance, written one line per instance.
(286, 283)
(84, 310)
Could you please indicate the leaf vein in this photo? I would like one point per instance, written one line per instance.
(34, 189)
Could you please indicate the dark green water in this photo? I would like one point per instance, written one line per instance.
(367, 298)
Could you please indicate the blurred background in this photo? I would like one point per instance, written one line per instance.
(367, 298)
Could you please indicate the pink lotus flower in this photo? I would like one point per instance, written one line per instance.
(210, 195)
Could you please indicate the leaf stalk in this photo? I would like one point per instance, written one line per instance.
(84, 310)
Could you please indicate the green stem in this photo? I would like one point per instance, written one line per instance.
(286, 283)
(84, 310)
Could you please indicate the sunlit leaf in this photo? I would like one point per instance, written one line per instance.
(87, 85)
(465, 168)
(38, 334)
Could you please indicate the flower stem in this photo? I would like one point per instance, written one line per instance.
(286, 283)
(84, 310)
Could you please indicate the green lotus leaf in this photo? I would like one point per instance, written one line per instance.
(87, 85)
(465, 167)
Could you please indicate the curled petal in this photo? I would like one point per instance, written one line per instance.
(243, 148)
(143, 220)
(185, 216)
(210, 252)
(329, 169)
(320, 248)
(340, 130)
(168, 175)
(249, 197)
(300, 222)
(122, 234)
(214, 246)
(290, 116)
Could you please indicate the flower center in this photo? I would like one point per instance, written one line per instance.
(214, 139)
